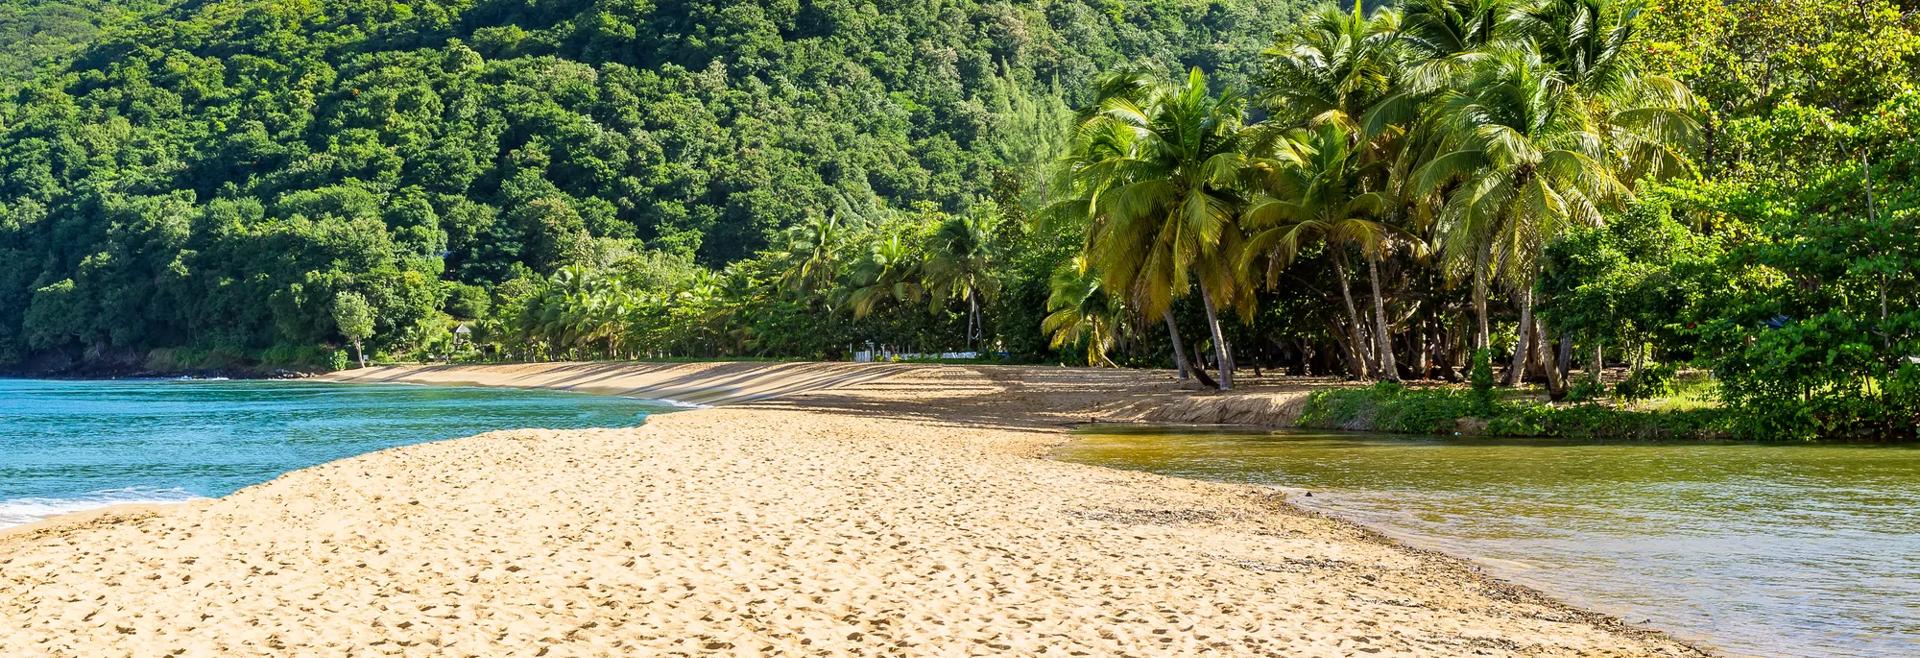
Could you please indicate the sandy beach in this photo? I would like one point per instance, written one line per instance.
(817, 510)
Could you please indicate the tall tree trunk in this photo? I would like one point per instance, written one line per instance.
(358, 354)
(1423, 358)
(1389, 369)
(1483, 334)
(1566, 355)
(1550, 356)
(1599, 363)
(1523, 351)
(1179, 349)
(1221, 350)
(1200, 369)
(973, 318)
(1639, 355)
(1359, 341)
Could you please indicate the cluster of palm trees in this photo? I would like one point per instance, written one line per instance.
(866, 264)
(912, 268)
(1458, 136)
(616, 314)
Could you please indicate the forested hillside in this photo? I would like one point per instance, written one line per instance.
(38, 33)
(216, 177)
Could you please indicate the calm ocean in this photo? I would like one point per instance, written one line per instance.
(67, 446)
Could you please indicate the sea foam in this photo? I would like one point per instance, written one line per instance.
(21, 511)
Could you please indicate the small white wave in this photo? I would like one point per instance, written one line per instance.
(682, 405)
(21, 511)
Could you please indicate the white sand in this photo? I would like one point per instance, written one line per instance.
(898, 511)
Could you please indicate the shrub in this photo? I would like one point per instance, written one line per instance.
(1481, 377)
(1386, 407)
(1397, 409)
(338, 360)
(1648, 382)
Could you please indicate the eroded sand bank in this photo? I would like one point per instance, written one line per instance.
(853, 510)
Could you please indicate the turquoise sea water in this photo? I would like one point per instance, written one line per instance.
(67, 446)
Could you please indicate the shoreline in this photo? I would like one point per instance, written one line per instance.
(917, 448)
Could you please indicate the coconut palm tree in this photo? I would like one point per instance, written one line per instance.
(1443, 38)
(1099, 153)
(888, 272)
(1541, 129)
(1530, 161)
(1647, 118)
(1316, 191)
(960, 262)
(1167, 218)
(1344, 70)
(1080, 312)
(607, 315)
(1334, 66)
(811, 253)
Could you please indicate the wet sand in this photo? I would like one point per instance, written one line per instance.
(832, 510)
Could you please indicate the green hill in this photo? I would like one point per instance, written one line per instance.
(37, 33)
(209, 177)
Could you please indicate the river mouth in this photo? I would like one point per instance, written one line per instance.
(1772, 550)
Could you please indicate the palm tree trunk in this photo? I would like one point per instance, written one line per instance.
(1639, 355)
(1421, 343)
(1389, 370)
(1221, 350)
(1483, 335)
(1179, 350)
(1361, 364)
(1523, 351)
(1551, 357)
(1599, 364)
(1565, 356)
(973, 317)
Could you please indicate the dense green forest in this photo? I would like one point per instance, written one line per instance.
(36, 34)
(213, 176)
(1409, 191)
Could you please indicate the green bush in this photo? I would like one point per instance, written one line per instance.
(1593, 422)
(1583, 391)
(1396, 409)
(1481, 377)
(1648, 382)
(1386, 407)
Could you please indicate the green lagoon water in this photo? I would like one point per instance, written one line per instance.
(1752, 549)
(72, 445)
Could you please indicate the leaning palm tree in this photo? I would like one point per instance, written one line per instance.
(1317, 191)
(1543, 128)
(1099, 152)
(1168, 219)
(1345, 70)
(960, 262)
(1530, 161)
(811, 252)
(1080, 312)
(887, 273)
